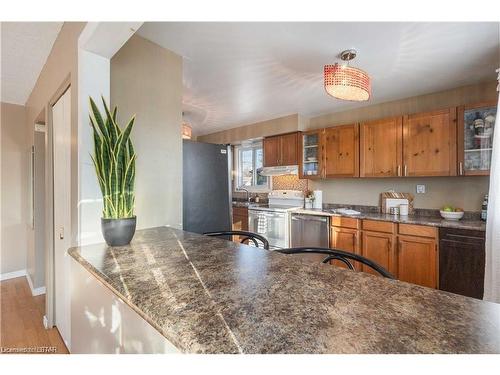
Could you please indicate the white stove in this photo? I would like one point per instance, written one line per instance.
(273, 220)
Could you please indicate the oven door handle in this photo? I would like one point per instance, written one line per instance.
(275, 215)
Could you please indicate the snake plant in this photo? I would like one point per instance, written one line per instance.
(114, 162)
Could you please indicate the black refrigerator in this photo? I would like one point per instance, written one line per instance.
(206, 197)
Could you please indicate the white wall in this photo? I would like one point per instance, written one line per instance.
(146, 80)
(93, 81)
(96, 44)
(14, 188)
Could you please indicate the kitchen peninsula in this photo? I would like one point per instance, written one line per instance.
(208, 295)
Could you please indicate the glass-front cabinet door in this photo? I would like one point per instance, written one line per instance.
(476, 124)
(311, 163)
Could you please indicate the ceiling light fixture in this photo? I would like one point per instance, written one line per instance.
(346, 82)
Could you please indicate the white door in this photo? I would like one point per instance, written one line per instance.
(61, 120)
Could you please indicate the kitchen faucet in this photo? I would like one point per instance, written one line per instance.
(248, 193)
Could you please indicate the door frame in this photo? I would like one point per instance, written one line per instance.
(49, 205)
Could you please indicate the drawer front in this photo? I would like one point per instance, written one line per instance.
(344, 222)
(379, 226)
(418, 230)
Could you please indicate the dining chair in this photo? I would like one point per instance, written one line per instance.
(246, 237)
(340, 255)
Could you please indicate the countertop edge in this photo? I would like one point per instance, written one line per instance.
(73, 252)
(411, 219)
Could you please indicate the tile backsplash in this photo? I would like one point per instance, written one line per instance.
(289, 182)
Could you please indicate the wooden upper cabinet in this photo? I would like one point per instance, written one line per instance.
(429, 143)
(417, 260)
(341, 147)
(281, 150)
(311, 154)
(290, 149)
(381, 148)
(474, 138)
(272, 151)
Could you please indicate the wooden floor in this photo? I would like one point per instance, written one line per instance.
(21, 323)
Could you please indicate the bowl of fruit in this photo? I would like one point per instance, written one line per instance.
(451, 213)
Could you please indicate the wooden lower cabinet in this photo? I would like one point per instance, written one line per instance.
(416, 260)
(409, 252)
(380, 248)
(346, 239)
(240, 220)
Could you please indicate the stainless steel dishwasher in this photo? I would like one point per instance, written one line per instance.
(310, 230)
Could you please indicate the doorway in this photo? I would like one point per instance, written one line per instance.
(36, 255)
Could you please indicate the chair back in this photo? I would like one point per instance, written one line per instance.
(340, 255)
(246, 237)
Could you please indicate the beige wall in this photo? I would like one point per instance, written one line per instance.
(14, 188)
(146, 80)
(61, 66)
(465, 192)
(260, 129)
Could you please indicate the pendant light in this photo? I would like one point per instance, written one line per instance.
(346, 82)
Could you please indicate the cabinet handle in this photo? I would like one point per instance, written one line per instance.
(461, 169)
(399, 170)
(406, 170)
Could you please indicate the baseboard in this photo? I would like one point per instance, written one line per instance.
(12, 275)
(34, 291)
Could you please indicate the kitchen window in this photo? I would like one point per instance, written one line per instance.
(248, 163)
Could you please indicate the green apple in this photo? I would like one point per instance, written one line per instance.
(448, 209)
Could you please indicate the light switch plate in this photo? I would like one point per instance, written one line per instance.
(420, 189)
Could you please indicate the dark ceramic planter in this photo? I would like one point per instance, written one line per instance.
(118, 232)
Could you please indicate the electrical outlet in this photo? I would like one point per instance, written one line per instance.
(420, 189)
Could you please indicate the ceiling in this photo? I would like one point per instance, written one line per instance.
(25, 47)
(240, 73)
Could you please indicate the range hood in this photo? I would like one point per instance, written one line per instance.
(280, 171)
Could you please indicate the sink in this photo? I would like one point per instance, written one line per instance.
(344, 211)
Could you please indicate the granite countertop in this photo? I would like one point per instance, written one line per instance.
(208, 295)
(242, 203)
(435, 221)
(248, 204)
